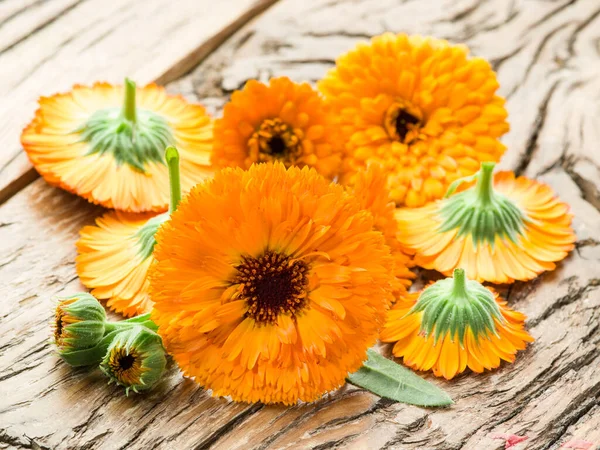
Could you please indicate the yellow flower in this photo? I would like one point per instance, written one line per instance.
(116, 254)
(420, 107)
(499, 230)
(106, 143)
(454, 324)
(371, 191)
(270, 284)
(282, 121)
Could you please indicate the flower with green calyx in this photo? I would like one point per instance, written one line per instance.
(453, 324)
(500, 228)
(82, 333)
(133, 135)
(127, 242)
(454, 305)
(135, 359)
(481, 212)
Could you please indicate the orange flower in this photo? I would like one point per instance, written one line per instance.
(282, 121)
(499, 230)
(454, 324)
(270, 284)
(114, 258)
(420, 107)
(371, 191)
(116, 254)
(110, 151)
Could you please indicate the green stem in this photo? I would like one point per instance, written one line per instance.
(143, 320)
(129, 110)
(484, 186)
(172, 157)
(460, 283)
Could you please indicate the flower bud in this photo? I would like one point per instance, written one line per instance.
(135, 359)
(79, 324)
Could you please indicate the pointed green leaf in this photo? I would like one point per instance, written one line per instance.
(390, 380)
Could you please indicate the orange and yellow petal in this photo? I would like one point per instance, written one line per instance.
(54, 144)
(111, 262)
(270, 284)
(370, 188)
(280, 121)
(420, 107)
(447, 357)
(547, 236)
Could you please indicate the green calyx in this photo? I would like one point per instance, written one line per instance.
(145, 235)
(134, 136)
(481, 212)
(135, 359)
(454, 305)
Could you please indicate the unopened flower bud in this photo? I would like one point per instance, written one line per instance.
(79, 324)
(135, 359)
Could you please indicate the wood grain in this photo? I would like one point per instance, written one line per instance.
(548, 61)
(47, 46)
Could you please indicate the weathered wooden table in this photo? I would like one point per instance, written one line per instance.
(547, 54)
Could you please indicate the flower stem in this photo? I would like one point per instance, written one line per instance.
(484, 186)
(460, 283)
(172, 158)
(143, 320)
(129, 110)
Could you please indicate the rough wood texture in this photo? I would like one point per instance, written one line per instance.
(47, 46)
(548, 62)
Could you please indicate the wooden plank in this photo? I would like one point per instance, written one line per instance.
(548, 68)
(49, 46)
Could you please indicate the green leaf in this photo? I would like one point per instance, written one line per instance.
(390, 380)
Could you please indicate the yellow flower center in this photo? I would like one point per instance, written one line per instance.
(403, 122)
(272, 284)
(61, 320)
(125, 366)
(274, 140)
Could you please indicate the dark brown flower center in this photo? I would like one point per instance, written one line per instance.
(402, 122)
(274, 140)
(59, 326)
(125, 366)
(272, 284)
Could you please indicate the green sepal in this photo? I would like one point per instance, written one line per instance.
(85, 307)
(134, 136)
(454, 305)
(148, 346)
(88, 356)
(387, 379)
(481, 212)
(145, 235)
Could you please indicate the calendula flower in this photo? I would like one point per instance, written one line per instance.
(106, 143)
(454, 324)
(371, 191)
(135, 359)
(282, 121)
(81, 332)
(420, 107)
(116, 253)
(270, 284)
(499, 230)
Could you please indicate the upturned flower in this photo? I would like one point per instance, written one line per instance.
(106, 143)
(116, 253)
(419, 106)
(135, 359)
(500, 228)
(81, 332)
(453, 324)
